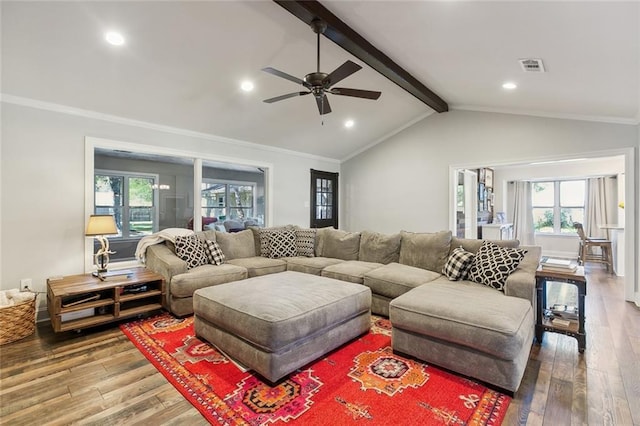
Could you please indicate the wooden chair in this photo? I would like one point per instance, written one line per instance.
(585, 254)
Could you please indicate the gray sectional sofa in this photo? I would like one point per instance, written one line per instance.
(390, 265)
(460, 325)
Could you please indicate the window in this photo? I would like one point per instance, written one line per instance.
(557, 205)
(228, 200)
(130, 199)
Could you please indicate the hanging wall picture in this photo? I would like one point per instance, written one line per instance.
(488, 178)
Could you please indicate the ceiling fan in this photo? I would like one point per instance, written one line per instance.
(319, 83)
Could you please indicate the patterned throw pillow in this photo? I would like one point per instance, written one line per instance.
(214, 252)
(282, 243)
(492, 264)
(306, 241)
(264, 234)
(190, 249)
(458, 264)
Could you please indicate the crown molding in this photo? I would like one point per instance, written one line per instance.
(545, 114)
(64, 109)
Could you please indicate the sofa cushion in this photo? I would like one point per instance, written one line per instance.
(214, 253)
(351, 270)
(492, 264)
(259, 265)
(305, 241)
(458, 264)
(379, 248)
(231, 225)
(467, 314)
(236, 245)
(320, 236)
(395, 279)
(256, 239)
(310, 265)
(340, 244)
(190, 249)
(282, 243)
(206, 235)
(425, 250)
(183, 285)
(474, 245)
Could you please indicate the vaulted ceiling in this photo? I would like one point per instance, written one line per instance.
(183, 62)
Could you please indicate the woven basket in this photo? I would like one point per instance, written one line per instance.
(17, 322)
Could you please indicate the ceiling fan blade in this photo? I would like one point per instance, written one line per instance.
(356, 93)
(342, 72)
(323, 105)
(284, 75)
(283, 97)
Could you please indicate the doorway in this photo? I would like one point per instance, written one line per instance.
(324, 199)
(588, 165)
(466, 204)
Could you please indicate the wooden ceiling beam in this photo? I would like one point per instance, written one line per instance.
(345, 37)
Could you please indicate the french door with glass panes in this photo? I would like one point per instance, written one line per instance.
(324, 199)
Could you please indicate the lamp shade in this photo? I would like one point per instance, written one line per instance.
(101, 224)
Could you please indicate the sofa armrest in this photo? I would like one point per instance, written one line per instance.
(160, 259)
(522, 282)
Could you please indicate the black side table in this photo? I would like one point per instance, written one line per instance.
(575, 328)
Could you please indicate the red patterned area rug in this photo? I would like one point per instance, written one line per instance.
(362, 382)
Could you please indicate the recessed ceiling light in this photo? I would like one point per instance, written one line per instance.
(114, 38)
(349, 124)
(247, 86)
(509, 85)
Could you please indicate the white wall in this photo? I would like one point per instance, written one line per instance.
(43, 186)
(403, 183)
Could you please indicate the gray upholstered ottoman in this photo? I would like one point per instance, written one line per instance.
(467, 328)
(277, 323)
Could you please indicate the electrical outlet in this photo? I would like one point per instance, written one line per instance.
(25, 284)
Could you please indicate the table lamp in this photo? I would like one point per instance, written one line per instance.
(98, 226)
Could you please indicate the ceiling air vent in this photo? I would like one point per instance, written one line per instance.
(531, 65)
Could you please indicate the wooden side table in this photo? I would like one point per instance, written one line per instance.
(575, 328)
(80, 301)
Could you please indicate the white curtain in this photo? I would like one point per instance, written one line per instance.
(522, 213)
(598, 211)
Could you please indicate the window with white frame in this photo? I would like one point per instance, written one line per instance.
(228, 199)
(557, 205)
(130, 198)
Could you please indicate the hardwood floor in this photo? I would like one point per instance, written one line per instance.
(600, 386)
(99, 377)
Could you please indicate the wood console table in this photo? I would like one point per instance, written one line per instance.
(575, 328)
(80, 301)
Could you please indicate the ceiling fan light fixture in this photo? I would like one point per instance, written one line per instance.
(320, 83)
